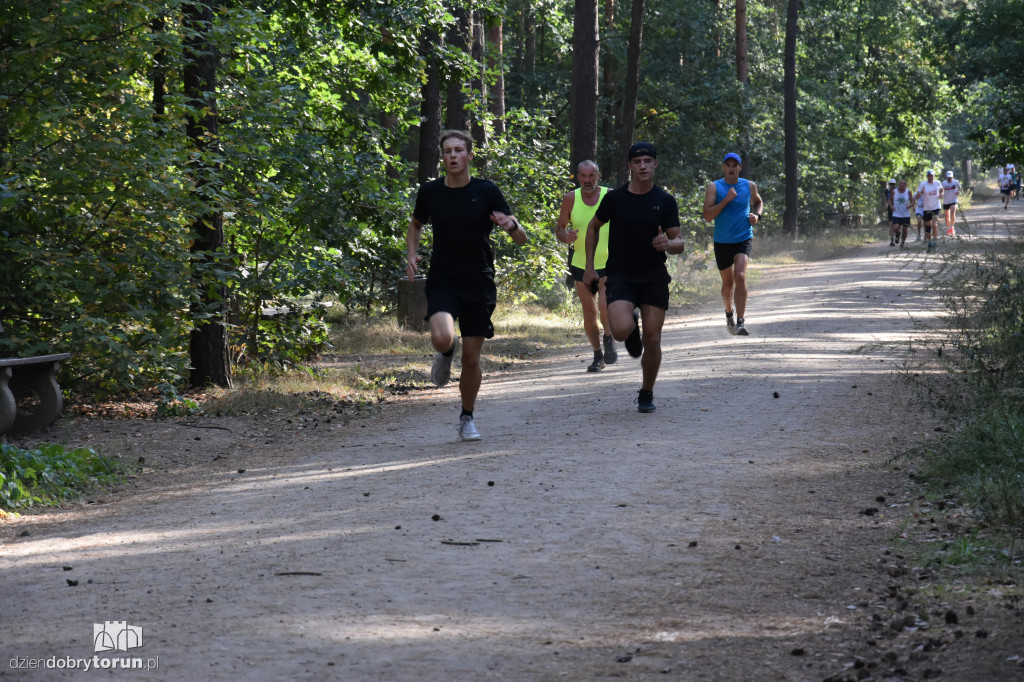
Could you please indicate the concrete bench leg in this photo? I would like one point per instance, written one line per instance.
(37, 395)
(8, 406)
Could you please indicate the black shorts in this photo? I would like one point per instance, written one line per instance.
(725, 254)
(649, 290)
(945, 207)
(1006, 191)
(931, 215)
(901, 221)
(577, 276)
(469, 302)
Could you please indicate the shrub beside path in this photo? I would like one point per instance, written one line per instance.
(753, 527)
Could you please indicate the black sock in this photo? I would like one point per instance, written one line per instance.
(466, 413)
(728, 314)
(451, 351)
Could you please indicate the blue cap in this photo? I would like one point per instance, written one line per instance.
(734, 156)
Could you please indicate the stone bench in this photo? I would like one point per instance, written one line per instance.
(30, 399)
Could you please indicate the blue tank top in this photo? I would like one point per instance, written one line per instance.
(732, 225)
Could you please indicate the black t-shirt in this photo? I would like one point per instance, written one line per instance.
(461, 220)
(634, 222)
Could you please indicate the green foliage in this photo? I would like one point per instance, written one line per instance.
(312, 166)
(987, 44)
(50, 475)
(982, 395)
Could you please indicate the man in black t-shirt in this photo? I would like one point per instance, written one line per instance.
(460, 284)
(644, 227)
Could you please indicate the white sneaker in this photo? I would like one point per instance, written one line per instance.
(467, 429)
(441, 371)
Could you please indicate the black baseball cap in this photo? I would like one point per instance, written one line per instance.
(642, 149)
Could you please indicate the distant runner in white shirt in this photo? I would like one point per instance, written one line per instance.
(950, 196)
(931, 192)
(1006, 186)
(900, 200)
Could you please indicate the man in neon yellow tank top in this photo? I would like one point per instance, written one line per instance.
(578, 207)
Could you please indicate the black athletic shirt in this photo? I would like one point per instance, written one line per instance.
(635, 219)
(461, 219)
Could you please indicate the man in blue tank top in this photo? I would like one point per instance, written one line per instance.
(735, 206)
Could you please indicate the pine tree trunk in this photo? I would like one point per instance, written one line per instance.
(583, 91)
(430, 109)
(636, 30)
(789, 124)
(458, 38)
(496, 63)
(208, 343)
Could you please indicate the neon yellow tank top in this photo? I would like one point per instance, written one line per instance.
(579, 219)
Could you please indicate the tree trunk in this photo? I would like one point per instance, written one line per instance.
(789, 221)
(430, 109)
(478, 86)
(636, 30)
(741, 41)
(583, 90)
(496, 63)
(208, 344)
(741, 76)
(611, 91)
(159, 72)
(458, 38)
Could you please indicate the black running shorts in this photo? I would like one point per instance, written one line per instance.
(577, 276)
(725, 254)
(472, 305)
(638, 291)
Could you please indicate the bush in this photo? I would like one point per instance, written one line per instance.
(981, 394)
(50, 475)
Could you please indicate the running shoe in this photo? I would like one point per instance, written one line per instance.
(610, 354)
(467, 429)
(730, 324)
(635, 344)
(917, 238)
(441, 371)
(645, 401)
(741, 330)
(892, 243)
(598, 364)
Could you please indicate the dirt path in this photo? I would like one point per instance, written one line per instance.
(749, 529)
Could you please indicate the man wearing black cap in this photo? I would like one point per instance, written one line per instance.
(735, 206)
(644, 227)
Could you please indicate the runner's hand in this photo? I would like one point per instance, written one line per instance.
(503, 221)
(589, 277)
(570, 236)
(660, 241)
(412, 267)
(730, 195)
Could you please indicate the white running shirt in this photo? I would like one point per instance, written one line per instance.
(901, 203)
(932, 201)
(1005, 181)
(950, 191)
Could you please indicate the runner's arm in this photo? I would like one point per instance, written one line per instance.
(564, 215)
(670, 240)
(712, 209)
(412, 243)
(511, 225)
(756, 205)
(590, 245)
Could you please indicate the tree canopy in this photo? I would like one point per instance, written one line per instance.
(319, 108)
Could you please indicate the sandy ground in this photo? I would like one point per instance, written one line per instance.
(753, 528)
